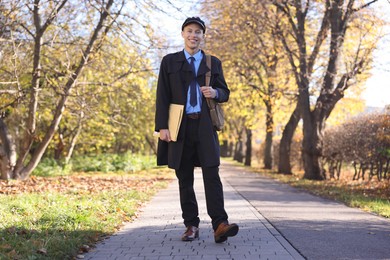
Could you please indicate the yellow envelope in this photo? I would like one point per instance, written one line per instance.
(175, 116)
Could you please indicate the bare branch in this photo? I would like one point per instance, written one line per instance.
(290, 56)
(8, 83)
(365, 5)
(8, 91)
(27, 30)
(306, 8)
(321, 36)
(286, 10)
(53, 15)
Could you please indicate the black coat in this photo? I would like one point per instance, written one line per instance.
(172, 87)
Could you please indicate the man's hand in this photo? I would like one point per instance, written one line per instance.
(165, 135)
(208, 92)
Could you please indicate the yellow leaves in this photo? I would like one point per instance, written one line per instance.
(345, 109)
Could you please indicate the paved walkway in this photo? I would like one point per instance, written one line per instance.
(318, 228)
(276, 222)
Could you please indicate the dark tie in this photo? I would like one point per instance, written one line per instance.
(193, 92)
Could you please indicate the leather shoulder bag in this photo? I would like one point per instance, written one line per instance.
(215, 108)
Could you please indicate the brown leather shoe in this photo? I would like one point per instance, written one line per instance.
(224, 231)
(190, 234)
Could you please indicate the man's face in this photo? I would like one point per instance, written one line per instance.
(193, 36)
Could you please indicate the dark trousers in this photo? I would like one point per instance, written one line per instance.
(212, 183)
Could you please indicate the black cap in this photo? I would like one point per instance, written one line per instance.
(196, 20)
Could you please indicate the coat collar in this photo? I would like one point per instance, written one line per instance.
(185, 66)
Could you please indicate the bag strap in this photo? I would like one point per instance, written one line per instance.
(208, 73)
(208, 77)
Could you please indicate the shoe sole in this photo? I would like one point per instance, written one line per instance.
(229, 233)
(187, 239)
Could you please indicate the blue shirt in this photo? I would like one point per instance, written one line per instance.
(196, 109)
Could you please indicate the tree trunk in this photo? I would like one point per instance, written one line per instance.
(312, 146)
(152, 144)
(248, 152)
(230, 149)
(73, 143)
(224, 149)
(268, 137)
(33, 103)
(75, 136)
(7, 152)
(285, 143)
(314, 121)
(238, 153)
(59, 148)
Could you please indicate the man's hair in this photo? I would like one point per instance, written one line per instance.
(196, 20)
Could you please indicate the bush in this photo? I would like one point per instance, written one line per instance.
(363, 142)
(112, 162)
(50, 167)
(97, 163)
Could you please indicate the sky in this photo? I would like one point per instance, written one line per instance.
(377, 91)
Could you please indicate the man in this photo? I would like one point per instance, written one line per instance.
(181, 81)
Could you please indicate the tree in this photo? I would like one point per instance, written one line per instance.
(109, 104)
(242, 32)
(43, 16)
(316, 101)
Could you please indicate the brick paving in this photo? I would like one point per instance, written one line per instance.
(156, 233)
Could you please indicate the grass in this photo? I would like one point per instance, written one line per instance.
(59, 217)
(370, 195)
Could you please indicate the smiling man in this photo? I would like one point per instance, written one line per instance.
(181, 81)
